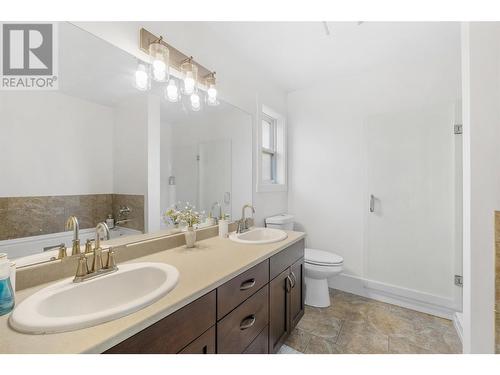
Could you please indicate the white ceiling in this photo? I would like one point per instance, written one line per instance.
(298, 54)
(292, 55)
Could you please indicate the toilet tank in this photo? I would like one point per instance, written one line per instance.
(283, 221)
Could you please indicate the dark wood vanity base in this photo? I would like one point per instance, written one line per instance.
(253, 313)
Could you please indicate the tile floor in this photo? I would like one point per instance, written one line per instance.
(354, 324)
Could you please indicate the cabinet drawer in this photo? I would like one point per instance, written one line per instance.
(285, 258)
(238, 329)
(260, 345)
(174, 332)
(205, 344)
(238, 289)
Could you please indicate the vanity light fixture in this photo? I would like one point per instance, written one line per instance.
(165, 62)
(159, 55)
(189, 76)
(172, 91)
(142, 81)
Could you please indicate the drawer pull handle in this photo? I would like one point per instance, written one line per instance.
(247, 322)
(247, 284)
(293, 279)
(288, 284)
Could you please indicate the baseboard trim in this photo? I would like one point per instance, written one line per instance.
(457, 323)
(408, 298)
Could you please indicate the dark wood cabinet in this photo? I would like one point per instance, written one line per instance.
(241, 287)
(279, 311)
(260, 345)
(297, 292)
(205, 344)
(248, 314)
(239, 328)
(286, 293)
(171, 334)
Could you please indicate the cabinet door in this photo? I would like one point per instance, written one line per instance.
(279, 310)
(297, 293)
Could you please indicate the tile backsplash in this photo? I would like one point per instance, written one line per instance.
(33, 216)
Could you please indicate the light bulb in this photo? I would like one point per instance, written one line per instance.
(159, 70)
(189, 84)
(212, 96)
(189, 72)
(195, 102)
(212, 93)
(159, 58)
(172, 91)
(141, 78)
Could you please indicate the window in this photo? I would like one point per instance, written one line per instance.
(271, 170)
(268, 149)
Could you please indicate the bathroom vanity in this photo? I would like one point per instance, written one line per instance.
(230, 298)
(252, 313)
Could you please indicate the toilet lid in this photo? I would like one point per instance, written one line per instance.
(321, 257)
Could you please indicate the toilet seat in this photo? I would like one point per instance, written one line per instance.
(322, 258)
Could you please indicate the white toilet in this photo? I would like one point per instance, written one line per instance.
(320, 265)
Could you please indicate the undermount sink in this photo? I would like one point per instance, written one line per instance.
(259, 236)
(68, 306)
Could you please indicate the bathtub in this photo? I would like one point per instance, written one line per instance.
(29, 250)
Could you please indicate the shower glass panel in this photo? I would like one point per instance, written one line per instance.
(411, 219)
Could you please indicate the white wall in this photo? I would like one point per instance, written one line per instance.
(153, 195)
(481, 160)
(130, 151)
(328, 166)
(239, 83)
(54, 144)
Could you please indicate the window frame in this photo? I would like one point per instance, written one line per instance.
(279, 162)
(272, 151)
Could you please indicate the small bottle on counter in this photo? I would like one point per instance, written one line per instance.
(110, 222)
(224, 227)
(6, 291)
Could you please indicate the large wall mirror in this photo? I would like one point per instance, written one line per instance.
(86, 150)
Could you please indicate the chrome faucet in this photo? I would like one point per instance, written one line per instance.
(61, 253)
(243, 224)
(97, 268)
(72, 224)
(215, 204)
(123, 214)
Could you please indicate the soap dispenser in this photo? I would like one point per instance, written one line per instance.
(6, 291)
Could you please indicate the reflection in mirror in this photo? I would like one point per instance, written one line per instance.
(206, 159)
(84, 151)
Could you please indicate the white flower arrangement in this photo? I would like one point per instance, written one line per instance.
(187, 215)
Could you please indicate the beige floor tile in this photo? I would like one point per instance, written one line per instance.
(298, 340)
(320, 345)
(399, 345)
(360, 338)
(354, 324)
(319, 323)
